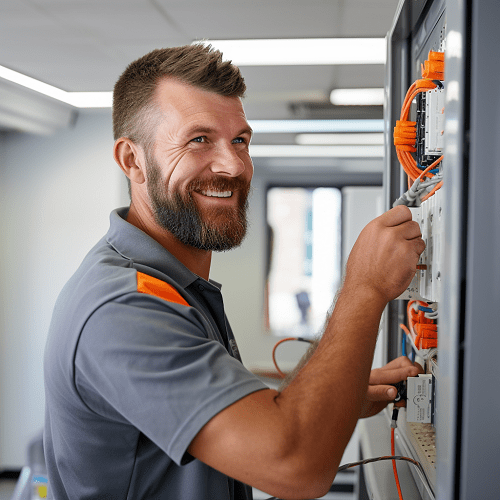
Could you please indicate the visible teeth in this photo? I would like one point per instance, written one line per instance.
(218, 194)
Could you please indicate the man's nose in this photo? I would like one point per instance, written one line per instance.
(227, 161)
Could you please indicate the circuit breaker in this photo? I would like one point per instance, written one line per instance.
(419, 141)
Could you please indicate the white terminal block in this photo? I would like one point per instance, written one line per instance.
(419, 399)
(426, 284)
(434, 122)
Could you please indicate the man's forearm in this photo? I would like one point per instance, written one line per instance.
(290, 443)
(324, 398)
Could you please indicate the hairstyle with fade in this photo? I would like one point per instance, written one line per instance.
(134, 110)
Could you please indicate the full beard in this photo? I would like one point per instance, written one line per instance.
(216, 229)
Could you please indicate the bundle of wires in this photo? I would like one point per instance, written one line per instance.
(422, 182)
(422, 187)
(422, 326)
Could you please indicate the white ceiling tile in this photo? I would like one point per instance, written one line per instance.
(286, 78)
(355, 76)
(132, 20)
(256, 19)
(368, 18)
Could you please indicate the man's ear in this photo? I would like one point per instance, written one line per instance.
(130, 159)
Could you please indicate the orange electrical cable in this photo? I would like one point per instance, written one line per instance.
(432, 69)
(403, 327)
(396, 477)
(283, 375)
(404, 147)
(431, 166)
(422, 330)
(436, 188)
(426, 334)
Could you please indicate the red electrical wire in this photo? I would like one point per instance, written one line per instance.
(300, 339)
(283, 375)
(396, 477)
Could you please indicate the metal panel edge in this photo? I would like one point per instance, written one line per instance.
(449, 397)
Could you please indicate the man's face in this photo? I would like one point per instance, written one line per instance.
(198, 176)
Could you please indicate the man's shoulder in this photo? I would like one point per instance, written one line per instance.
(106, 275)
(103, 272)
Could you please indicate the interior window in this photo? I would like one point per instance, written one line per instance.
(304, 258)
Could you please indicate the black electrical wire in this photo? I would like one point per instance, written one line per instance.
(377, 459)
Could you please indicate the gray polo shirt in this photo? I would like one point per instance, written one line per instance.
(139, 358)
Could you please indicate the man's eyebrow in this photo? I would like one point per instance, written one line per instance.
(247, 130)
(197, 129)
(200, 129)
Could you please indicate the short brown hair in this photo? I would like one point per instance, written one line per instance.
(134, 109)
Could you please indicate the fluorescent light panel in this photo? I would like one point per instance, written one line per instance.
(304, 126)
(286, 151)
(340, 139)
(302, 51)
(359, 97)
(77, 99)
(91, 99)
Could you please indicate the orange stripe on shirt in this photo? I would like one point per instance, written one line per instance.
(153, 286)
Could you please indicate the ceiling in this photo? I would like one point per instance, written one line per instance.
(84, 45)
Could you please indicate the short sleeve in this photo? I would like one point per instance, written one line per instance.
(143, 361)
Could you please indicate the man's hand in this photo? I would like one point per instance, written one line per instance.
(385, 256)
(380, 391)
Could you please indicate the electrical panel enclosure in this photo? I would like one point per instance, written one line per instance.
(441, 135)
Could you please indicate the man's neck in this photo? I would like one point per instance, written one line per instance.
(197, 261)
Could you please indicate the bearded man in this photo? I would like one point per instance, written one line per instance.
(146, 395)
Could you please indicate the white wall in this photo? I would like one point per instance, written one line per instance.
(56, 192)
(361, 205)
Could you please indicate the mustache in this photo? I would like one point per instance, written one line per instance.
(219, 183)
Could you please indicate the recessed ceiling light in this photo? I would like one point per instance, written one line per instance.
(302, 51)
(77, 99)
(359, 97)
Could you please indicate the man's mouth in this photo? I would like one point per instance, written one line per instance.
(218, 194)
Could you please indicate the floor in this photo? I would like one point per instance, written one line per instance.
(6, 488)
(344, 482)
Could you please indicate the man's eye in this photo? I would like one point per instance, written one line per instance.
(202, 138)
(239, 140)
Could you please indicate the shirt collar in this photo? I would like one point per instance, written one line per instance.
(134, 244)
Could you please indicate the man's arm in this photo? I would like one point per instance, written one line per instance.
(290, 443)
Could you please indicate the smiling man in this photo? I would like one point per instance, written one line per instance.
(146, 395)
(190, 188)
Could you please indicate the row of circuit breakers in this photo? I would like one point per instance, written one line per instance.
(419, 142)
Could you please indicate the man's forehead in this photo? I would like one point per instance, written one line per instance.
(174, 91)
(191, 104)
